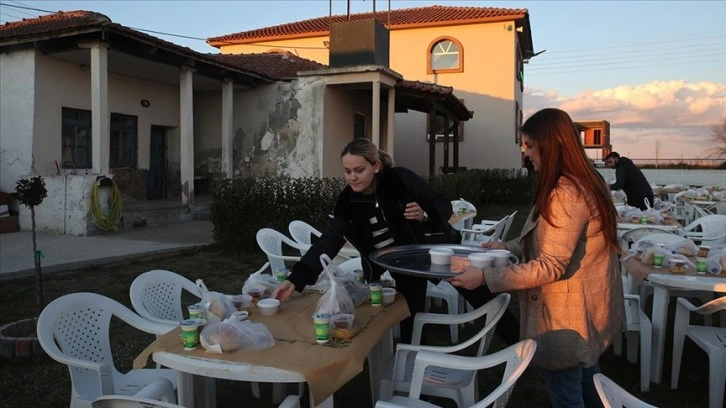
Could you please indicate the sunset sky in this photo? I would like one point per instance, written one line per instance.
(656, 70)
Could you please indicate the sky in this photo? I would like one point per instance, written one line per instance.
(656, 70)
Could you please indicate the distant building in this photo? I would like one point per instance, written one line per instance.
(595, 135)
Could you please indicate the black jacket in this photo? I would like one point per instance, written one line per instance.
(396, 187)
(631, 180)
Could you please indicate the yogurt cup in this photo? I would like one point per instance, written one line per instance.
(481, 259)
(441, 256)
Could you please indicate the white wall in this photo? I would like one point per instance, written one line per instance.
(17, 86)
(277, 130)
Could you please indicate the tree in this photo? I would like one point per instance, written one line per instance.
(718, 137)
(31, 192)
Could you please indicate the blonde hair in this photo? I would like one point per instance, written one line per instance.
(369, 151)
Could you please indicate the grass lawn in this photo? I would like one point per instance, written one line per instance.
(42, 382)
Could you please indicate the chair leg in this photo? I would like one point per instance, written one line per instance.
(453, 308)
(646, 334)
(255, 389)
(717, 378)
(633, 341)
(618, 345)
(679, 335)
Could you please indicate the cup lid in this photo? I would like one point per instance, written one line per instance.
(481, 256)
(441, 251)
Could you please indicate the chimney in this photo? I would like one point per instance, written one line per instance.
(358, 42)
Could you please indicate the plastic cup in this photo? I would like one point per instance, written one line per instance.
(197, 311)
(441, 256)
(281, 275)
(701, 265)
(658, 259)
(376, 289)
(322, 327)
(389, 296)
(481, 260)
(190, 333)
(360, 277)
(703, 251)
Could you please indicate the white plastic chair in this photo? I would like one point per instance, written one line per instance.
(707, 230)
(459, 385)
(454, 302)
(639, 331)
(614, 396)
(515, 357)
(302, 232)
(150, 397)
(711, 339)
(510, 221)
(629, 237)
(271, 243)
(124, 401)
(157, 295)
(485, 231)
(74, 330)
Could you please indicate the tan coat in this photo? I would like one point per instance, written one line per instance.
(570, 290)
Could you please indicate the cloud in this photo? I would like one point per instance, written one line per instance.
(676, 115)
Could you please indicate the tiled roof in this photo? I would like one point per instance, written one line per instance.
(399, 19)
(52, 23)
(278, 66)
(62, 24)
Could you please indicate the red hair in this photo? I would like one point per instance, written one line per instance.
(562, 155)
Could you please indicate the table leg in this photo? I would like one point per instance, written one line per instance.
(377, 359)
(205, 390)
(661, 297)
(185, 390)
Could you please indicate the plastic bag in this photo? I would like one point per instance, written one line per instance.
(358, 291)
(259, 284)
(234, 334)
(219, 306)
(336, 299)
(687, 248)
(716, 262)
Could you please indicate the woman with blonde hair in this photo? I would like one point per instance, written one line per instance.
(569, 285)
(381, 206)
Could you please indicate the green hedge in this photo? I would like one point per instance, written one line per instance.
(240, 207)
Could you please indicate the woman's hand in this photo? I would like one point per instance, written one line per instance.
(414, 212)
(471, 278)
(494, 245)
(283, 291)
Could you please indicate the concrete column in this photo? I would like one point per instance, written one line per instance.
(186, 134)
(227, 128)
(100, 118)
(376, 118)
(391, 128)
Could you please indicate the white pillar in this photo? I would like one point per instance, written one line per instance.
(391, 128)
(376, 119)
(186, 134)
(227, 128)
(100, 118)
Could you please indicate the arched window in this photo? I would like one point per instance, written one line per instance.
(445, 54)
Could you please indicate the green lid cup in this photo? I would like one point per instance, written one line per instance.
(322, 327)
(189, 335)
(376, 289)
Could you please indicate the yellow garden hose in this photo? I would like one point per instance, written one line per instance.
(106, 222)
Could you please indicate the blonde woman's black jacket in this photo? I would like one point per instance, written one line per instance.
(396, 187)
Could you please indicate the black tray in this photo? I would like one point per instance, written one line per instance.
(415, 259)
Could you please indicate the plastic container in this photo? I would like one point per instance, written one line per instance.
(441, 256)
(268, 307)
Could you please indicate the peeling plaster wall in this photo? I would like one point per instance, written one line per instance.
(17, 88)
(278, 130)
(66, 209)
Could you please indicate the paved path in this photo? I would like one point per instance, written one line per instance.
(64, 252)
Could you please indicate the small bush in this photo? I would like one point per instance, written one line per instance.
(240, 207)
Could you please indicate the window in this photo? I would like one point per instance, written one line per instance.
(517, 124)
(445, 55)
(76, 138)
(359, 126)
(597, 137)
(123, 140)
(439, 122)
